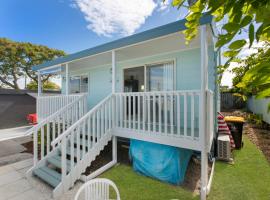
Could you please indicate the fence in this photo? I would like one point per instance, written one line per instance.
(230, 101)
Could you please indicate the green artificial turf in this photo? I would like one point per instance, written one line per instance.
(247, 179)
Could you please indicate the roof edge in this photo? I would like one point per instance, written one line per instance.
(126, 41)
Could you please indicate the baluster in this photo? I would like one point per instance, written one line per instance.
(58, 125)
(42, 142)
(171, 113)
(72, 148)
(185, 114)
(129, 111)
(125, 111)
(35, 147)
(165, 114)
(63, 158)
(144, 120)
(53, 131)
(110, 113)
(154, 112)
(119, 106)
(94, 127)
(78, 143)
(89, 132)
(83, 136)
(102, 120)
(192, 115)
(139, 111)
(63, 122)
(178, 115)
(148, 99)
(106, 116)
(134, 111)
(159, 113)
(48, 133)
(98, 125)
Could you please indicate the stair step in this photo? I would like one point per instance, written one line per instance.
(56, 161)
(49, 175)
(75, 151)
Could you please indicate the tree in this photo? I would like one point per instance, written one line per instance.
(240, 15)
(17, 58)
(252, 77)
(47, 85)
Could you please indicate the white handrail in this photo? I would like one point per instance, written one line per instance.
(44, 121)
(67, 132)
(167, 113)
(54, 125)
(91, 132)
(47, 105)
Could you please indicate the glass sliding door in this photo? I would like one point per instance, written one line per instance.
(160, 77)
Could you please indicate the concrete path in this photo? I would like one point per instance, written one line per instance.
(7, 134)
(15, 186)
(11, 150)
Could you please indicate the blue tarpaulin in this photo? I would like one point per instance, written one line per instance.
(165, 163)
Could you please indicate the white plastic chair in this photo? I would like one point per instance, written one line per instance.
(97, 189)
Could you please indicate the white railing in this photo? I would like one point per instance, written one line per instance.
(53, 126)
(47, 105)
(210, 120)
(92, 132)
(174, 113)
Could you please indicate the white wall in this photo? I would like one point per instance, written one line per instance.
(259, 106)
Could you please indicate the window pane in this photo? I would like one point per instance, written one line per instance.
(160, 77)
(84, 84)
(74, 84)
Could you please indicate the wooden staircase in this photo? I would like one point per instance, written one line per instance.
(75, 148)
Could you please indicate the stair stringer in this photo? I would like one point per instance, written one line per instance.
(80, 167)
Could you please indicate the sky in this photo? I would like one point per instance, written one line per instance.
(74, 25)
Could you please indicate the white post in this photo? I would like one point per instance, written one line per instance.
(67, 80)
(114, 140)
(204, 86)
(39, 84)
(113, 71)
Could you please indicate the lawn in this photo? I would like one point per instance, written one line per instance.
(248, 178)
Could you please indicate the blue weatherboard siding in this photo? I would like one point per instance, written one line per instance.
(133, 39)
(187, 69)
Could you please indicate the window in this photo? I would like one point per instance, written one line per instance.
(160, 77)
(78, 84)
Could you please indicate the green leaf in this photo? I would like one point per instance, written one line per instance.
(245, 21)
(251, 34)
(237, 44)
(230, 53)
(231, 27)
(263, 94)
(177, 2)
(259, 32)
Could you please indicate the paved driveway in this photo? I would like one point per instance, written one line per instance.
(15, 186)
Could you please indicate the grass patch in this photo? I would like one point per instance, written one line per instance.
(248, 178)
(133, 186)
